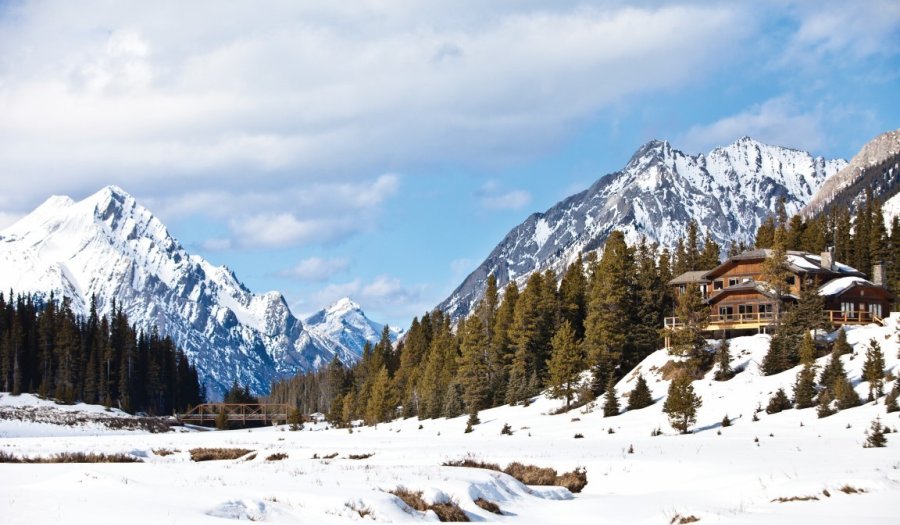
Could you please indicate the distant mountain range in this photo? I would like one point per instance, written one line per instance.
(729, 192)
(109, 247)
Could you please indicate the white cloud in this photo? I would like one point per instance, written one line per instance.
(276, 96)
(780, 121)
(317, 269)
(511, 200)
(842, 31)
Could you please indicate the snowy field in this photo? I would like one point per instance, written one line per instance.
(735, 474)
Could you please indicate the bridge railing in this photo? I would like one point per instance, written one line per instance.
(237, 412)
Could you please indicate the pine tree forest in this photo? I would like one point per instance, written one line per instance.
(46, 349)
(603, 314)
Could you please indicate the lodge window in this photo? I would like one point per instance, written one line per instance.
(790, 280)
(732, 281)
(682, 288)
(846, 309)
(745, 309)
(718, 284)
(726, 312)
(875, 309)
(765, 309)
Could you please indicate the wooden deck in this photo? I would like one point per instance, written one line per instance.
(758, 321)
(235, 412)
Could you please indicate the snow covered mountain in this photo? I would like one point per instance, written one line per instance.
(876, 167)
(345, 322)
(729, 192)
(110, 247)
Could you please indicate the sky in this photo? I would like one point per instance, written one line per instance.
(379, 149)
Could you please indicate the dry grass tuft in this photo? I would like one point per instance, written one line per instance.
(361, 456)
(216, 454)
(412, 499)
(678, 519)
(163, 452)
(575, 481)
(278, 456)
(489, 506)
(449, 511)
(531, 474)
(850, 489)
(795, 498)
(472, 462)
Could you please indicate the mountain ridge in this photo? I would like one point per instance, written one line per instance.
(110, 247)
(728, 191)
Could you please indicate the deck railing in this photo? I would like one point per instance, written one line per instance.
(759, 319)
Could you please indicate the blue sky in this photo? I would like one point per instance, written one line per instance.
(379, 149)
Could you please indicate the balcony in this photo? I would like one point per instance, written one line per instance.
(762, 319)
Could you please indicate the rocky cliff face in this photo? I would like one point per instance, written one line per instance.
(876, 167)
(729, 192)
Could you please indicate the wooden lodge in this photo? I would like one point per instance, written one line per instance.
(741, 301)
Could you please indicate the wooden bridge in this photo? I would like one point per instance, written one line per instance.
(237, 412)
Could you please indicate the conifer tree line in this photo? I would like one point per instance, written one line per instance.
(46, 349)
(860, 241)
(602, 314)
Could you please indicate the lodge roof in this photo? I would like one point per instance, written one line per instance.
(797, 262)
(698, 277)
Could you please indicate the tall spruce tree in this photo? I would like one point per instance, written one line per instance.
(640, 396)
(805, 385)
(724, 372)
(474, 370)
(610, 402)
(873, 370)
(687, 339)
(610, 307)
(566, 364)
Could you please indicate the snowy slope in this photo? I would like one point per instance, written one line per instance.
(732, 475)
(729, 192)
(109, 246)
(345, 322)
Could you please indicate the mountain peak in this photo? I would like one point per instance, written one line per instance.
(344, 304)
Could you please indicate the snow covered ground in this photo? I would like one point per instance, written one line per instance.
(717, 475)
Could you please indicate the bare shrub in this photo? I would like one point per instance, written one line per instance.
(850, 489)
(449, 511)
(531, 474)
(361, 456)
(575, 481)
(163, 452)
(678, 519)
(278, 456)
(413, 499)
(489, 506)
(216, 454)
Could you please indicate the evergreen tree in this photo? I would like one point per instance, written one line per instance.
(711, 256)
(640, 396)
(890, 402)
(682, 403)
(610, 305)
(845, 395)
(474, 372)
(649, 305)
(805, 386)
(765, 234)
(502, 349)
(824, 406)
(573, 297)
(379, 406)
(566, 364)
(611, 402)
(778, 402)
(873, 370)
(724, 371)
(687, 340)
(875, 437)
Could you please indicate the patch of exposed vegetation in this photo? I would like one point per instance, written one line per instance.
(361, 456)
(278, 456)
(488, 505)
(575, 481)
(446, 511)
(217, 454)
(71, 457)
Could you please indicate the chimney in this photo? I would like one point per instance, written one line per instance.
(878, 274)
(828, 260)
